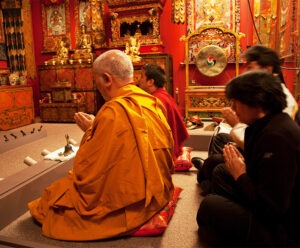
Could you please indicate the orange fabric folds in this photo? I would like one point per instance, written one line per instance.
(121, 175)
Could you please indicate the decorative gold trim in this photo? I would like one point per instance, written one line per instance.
(28, 39)
(206, 102)
(148, 13)
(96, 26)
(204, 34)
(178, 9)
(234, 8)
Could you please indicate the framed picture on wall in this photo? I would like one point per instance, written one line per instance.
(56, 24)
(266, 21)
(224, 13)
(285, 27)
(90, 14)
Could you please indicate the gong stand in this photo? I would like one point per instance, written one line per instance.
(208, 51)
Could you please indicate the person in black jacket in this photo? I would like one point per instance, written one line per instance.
(258, 57)
(256, 196)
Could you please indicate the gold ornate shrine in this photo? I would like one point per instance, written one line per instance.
(135, 18)
(208, 52)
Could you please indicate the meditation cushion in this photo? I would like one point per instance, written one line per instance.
(159, 222)
(183, 162)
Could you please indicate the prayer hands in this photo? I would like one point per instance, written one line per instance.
(230, 116)
(234, 161)
(83, 120)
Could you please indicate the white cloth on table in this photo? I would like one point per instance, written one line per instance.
(59, 156)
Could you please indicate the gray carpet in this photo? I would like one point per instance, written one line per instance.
(182, 229)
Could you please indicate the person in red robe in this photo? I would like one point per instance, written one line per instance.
(152, 81)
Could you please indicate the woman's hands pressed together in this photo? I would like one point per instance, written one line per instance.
(234, 161)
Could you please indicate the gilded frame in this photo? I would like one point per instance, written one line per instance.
(56, 24)
(135, 15)
(118, 39)
(90, 14)
(198, 17)
(285, 27)
(211, 35)
(266, 22)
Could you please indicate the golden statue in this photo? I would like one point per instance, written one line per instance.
(132, 49)
(84, 47)
(62, 52)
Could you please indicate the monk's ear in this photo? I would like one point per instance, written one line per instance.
(150, 82)
(107, 78)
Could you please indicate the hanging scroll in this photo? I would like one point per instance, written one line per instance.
(286, 25)
(202, 13)
(90, 14)
(56, 23)
(14, 40)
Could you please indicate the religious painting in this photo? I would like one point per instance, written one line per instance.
(202, 13)
(265, 17)
(85, 15)
(285, 28)
(91, 15)
(56, 24)
(225, 39)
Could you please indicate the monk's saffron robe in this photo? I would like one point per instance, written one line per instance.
(121, 175)
(175, 120)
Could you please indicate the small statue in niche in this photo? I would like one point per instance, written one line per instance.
(63, 49)
(132, 49)
(85, 41)
(62, 52)
(84, 47)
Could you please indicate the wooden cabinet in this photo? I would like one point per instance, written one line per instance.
(205, 102)
(16, 106)
(66, 89)
(60, 112)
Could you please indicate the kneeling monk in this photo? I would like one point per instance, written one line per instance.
(122, 171)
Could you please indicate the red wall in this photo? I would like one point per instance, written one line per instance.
(170, 35)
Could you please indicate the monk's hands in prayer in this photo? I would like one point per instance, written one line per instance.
(230, 116)
(83, 120)
(234, 161)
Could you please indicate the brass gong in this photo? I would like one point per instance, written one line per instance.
(211, 60)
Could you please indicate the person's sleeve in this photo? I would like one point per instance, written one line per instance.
(292, 106)
(268, 191)
(238, 134)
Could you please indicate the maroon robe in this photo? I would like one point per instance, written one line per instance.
(175, 120)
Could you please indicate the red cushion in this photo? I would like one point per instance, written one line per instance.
(183, 162)
(183, 165)
(159, 222)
